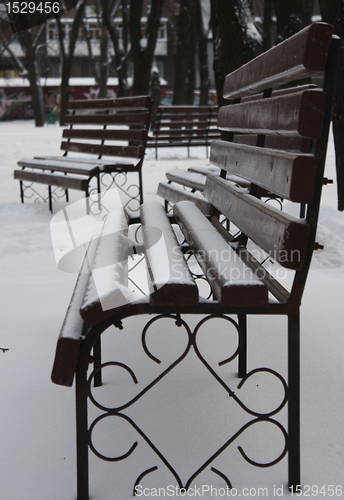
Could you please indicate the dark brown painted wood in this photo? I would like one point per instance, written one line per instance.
(232, 282)
(300, 56)
(65, 181)
(280, 235)
(290, 175)
(171, 283)
(72, 330)
(123, 102)
(184, 126)
(60, 166)
(138, 119)
(173, 194)
(103, 149)
(189, 179)
(293, 114)
(300, 144)
(105, 134)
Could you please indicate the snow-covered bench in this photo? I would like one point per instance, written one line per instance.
(189, 184)
(183, 126)
(114, 131)
(241, 285)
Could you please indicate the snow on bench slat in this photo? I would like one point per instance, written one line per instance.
(68, 344)
(190, 179)
(233, 283)
(173, 194)
(108, 284)
(169, 276)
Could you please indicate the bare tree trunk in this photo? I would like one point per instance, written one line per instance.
(333, 12)
(232, 43)
(191, 52)
(202, 37)
(67, 58)
(292, 16)
(29, 45)
(104, 67)
(268, 25)
(183, 40)
(109, 12)
(90, 52)
(143, 56)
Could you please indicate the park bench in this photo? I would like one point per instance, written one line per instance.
(106, 136)
(188, 185)
(241, 284)
(183, 126)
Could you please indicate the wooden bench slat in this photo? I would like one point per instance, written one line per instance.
(102, 163)
(173, 194)
(184, 126)
(187, 132)
(180, 120)
(107, 288)
(103, 149)
(123, 102)
(299, 144)
(180, 143)
(233, 283)
(236, 179)
(59, 165)
(293, 114)
(105, 134)
(189, 179)
(300, 56)
(189, 108)
(171, 283)
(65, 181)
(289, 175)
(282, 236)
(137, 119)
(73, 329)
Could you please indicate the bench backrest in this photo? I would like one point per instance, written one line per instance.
(176, 123)
(302, 114)
(108, 127)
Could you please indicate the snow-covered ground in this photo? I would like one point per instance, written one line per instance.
(37, 446)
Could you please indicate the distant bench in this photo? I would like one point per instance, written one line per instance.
(240, 285)
(113, 130)
(183, 126)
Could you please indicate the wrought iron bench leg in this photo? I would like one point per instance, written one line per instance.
(21, 191)
(140, 186)
(81, 387)
(50, 199)
(294, 398)
(242, 319)
(97, 363)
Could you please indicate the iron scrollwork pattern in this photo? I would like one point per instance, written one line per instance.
(29, 192)
(120, 181)
(257, 417)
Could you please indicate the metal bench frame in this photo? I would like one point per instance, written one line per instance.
(287, 304)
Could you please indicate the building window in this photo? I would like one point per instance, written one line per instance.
(94, 31)
(162, 33)
(51, 31)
